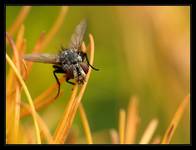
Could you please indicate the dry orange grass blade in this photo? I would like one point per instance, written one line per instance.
(43, 99)
(16, 115)
(19, 20)
(132, 121)
(17, 91)
(42, 125)
(9, 122)
(72, 137)
(27, 137)
(9, 115)
(20, 46)
(156, 140)
(38, 44)
(22, 138)
(58, 23)
(64, 127)
(175, 121)
(37, 48)
(44, 40)
(25, 70)
(148, 133)
(114, 136)
(10, 95)
(15, 59)
(51, 90)
(20, 38)
(13, 89)
(85, 124)
(10, 62)
(39, 104)
(122, 123)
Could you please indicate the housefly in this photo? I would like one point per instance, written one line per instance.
(71, 61)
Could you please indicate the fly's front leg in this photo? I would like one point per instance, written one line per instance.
(85, 55)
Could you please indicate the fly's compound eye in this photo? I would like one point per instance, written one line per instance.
(84, 67)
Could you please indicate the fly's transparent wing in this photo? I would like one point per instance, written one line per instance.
(42, 58)
(78, 35)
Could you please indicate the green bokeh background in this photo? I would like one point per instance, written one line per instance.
(140, 51)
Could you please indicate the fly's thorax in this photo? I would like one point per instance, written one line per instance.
(69, 57)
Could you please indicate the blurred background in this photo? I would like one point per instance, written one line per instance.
(140, 50)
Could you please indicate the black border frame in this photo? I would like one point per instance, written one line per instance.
(71, 3)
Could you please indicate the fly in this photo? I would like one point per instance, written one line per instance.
(71, 61)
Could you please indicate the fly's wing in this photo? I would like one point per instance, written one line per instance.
(42, 58)
(78, 35)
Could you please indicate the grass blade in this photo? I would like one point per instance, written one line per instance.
(62, 130)
(114, 136)
(28, 97)
(148, 133)
(43, 99)
(132, 121)
(20, 19)
(175, 121)
(58, 23)
(156, 140)
(42, 125)
(17, 92)
(85, 124)
(122, 122)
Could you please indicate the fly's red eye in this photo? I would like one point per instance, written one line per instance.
(84, 67)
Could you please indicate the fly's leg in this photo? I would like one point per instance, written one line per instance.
(57, 70)
(85, 55)
(69, 74)
(67, 80)
(57, 67)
